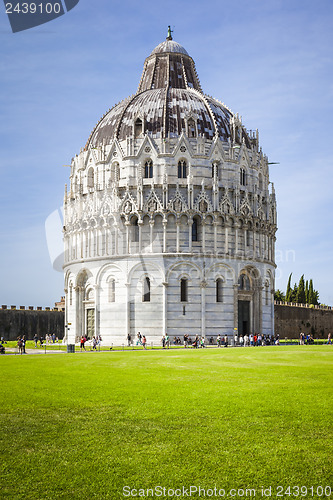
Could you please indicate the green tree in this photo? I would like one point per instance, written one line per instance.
(313, 295)
(306, 292)
(279, 296)
(289, 290)
(300, 294)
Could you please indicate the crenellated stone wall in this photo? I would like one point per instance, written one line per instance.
(291, 320)
(28, 322)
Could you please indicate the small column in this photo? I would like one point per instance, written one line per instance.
(226, 242)
(165, 307)
(116, 240)
(190, 224)
(178, 236)
(203, 225)
(164, 223)
(254, 238)
(151, 224)
(127, 224)
(236, 239)
(140, 224)
(215, 224)
(106, 249)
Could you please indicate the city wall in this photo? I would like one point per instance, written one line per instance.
(292, 319)
(28, 322)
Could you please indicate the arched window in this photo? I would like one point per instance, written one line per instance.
(138, 128)
(135, 230)
(195, 229)
(148, 169)
(146, 290)
(112, 290)
(215, 168)
(219, 290)
(90, 178)
(182, 169)
(183, 290)
(242, 177)
(244, 282)
(191, 128)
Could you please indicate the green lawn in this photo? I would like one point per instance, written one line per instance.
(86, 425)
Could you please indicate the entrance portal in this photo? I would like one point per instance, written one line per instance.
(243, 317)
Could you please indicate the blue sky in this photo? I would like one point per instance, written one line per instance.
(268, 60)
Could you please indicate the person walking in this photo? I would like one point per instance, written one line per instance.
(82, 342)
(144, 341)
(35, 340)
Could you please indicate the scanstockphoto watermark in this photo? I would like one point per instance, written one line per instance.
(24, 15)
(295, 491)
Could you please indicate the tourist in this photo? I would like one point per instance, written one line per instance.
(218, 340)
(163, 341)
(185, 340)
(129, 340)
(20, 345)
(226, 341)
(251, 339)
(329, 340)
(35, 340)
(94, 343)
(138, 340)
(82, 342)
(144, 341)
(246, 340)
(202, 342)
(167, 340)
(241, 340)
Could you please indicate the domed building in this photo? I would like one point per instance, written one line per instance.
(169, 223)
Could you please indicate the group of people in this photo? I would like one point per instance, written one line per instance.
(95, 341)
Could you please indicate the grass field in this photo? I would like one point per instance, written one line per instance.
(87, 425)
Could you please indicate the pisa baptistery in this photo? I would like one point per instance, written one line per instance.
(170, 218)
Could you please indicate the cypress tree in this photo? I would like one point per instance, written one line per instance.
(289, 290)
(307, 292)
(300, 294)
(311, 293)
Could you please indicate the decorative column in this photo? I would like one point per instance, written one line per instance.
(178, 236)
(151, 224)
(203, 225)
(236, 306)
(164, 223)
(97, 309)
(215, 224)
(127, 224)
(140, 224)
(203, 286)
(165, 307)
(226, 242)
(190, 223)
(128, 309)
